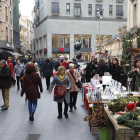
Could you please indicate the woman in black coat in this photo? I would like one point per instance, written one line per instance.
(101, 68)
(90, 71)
(48, 71)
(116, 70)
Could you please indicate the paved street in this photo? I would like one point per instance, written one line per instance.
(15, 124)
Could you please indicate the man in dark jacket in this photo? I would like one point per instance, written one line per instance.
(48, 71)
(57, 64)
(5, 83)
(90, 71)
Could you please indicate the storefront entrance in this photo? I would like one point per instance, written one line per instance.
(61, 55)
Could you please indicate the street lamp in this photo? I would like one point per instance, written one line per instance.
(100, 17)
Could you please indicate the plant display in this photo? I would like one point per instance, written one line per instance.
(120, 103)
(130, 120)
(99, 118)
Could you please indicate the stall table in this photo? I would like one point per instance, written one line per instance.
(122, 132)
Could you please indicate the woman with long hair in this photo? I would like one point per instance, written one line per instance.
(60, 79)
(116, 70)
(30, 88)
(135, 75)
(101, 68)
(124, 72)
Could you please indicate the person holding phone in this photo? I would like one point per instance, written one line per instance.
(135, 75)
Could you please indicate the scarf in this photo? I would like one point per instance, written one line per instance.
(61, 77)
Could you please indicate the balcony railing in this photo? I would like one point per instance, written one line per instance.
(119, 1)
(119, 13)
(7, 18)
(78, 13)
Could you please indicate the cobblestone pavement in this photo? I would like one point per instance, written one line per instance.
(15, 124)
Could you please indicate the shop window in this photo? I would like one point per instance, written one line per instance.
(85, 40)
(60, 41)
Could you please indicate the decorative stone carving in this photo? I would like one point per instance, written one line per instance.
(120, 31)
(124, 28)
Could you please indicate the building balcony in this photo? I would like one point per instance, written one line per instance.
(78, 13)
(99, 0)
(119, 1)
(55, 12)
(119, 14)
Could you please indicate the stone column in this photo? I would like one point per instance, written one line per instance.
(71, 46)
(49, 45)
(93, 43)
(36, 48)
(43, 46)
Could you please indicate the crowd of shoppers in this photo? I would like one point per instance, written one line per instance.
(67, 76)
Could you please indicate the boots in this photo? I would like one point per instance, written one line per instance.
(32, 116)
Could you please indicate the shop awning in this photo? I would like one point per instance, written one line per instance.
(14, 53)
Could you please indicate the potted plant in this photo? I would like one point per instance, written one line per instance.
(99, 120)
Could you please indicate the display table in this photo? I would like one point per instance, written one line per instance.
(122, 132)
(85, 98)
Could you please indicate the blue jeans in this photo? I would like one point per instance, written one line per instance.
(32, 105)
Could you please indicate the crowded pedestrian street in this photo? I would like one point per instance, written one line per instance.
(15, 125)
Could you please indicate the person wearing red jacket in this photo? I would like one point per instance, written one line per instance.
(64, 64)
(10, 64)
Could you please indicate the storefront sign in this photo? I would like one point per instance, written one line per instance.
(45, 50)
(61, 49)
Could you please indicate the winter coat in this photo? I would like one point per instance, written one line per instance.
(124, 72)
(10, 64)
(72, 81)
(116, 73)
(131, 74)
(89, 70)
(40, 64)
(18, 69)
(101, 70)
(57, 82)
(29, 87)
(48, 69)
(57, 64)
(5, 77)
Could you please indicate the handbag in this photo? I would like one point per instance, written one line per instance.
(39, 95)
(59, 91)
(79, 84)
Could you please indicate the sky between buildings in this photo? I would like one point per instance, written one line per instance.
(26, 6)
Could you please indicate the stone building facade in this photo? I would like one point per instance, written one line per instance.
(60, 24)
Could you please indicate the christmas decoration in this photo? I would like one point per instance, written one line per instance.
(131, 106)
(99, 118)
(78, 55)
(120, 103)
(77, 46)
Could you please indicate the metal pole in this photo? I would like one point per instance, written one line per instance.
(99, 31)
